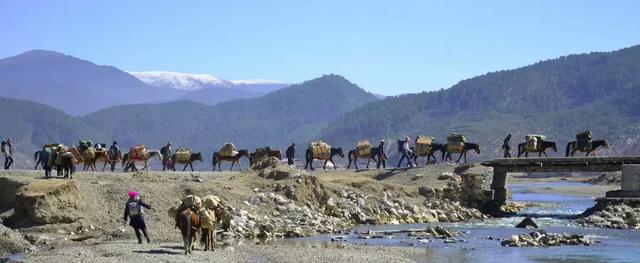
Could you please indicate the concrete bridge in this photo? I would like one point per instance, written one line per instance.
(630, 167)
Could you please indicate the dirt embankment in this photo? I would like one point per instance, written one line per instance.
(270, 202)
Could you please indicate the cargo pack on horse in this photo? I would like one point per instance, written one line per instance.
(209, 227)
(584, 143)
(263, 153)
(189, 225)
(425, 146)
(536, 144)
(321, 151)
(363, 150)
(186, 157)
(139, 153)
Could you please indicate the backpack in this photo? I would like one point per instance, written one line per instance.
(401, 143)
(134, 208)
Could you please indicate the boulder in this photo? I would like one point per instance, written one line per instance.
(271, 162)
(8, 189)
(279, 173)
(47, 202)
(527, 222)
(11, 242)
(426, 191)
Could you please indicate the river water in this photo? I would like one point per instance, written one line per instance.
(553, 214)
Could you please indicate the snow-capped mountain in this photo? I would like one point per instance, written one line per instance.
(181, 81)
(206, 88)
(191, 82)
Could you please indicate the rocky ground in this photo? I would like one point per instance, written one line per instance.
(63, 217)
(613, 214)
(541, 238)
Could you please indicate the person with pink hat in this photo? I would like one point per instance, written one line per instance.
(134, 211)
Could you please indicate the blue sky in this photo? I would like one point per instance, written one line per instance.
(388, 47)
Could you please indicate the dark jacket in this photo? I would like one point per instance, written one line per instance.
(166, 152)
(136, 221)
(291, 152)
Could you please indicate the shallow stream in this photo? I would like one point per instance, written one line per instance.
(553, 213)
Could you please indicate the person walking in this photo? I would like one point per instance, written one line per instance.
(291, 154)
(166, 156)
(382, 156)
(114, 155)
(134, 211)
(506, 147)
(406, 152)
(7, 150)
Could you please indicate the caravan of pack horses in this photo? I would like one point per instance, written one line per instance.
(64, 159)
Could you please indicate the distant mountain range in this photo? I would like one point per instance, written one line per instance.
(80, 87)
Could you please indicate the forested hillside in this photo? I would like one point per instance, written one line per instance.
(293, 114)
(557, 97)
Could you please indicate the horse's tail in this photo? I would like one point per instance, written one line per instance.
(568, 149)
(35, 155)
(185, 217)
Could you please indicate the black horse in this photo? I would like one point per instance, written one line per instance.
(542, 148)
(217, 159)
(42, 157)
(309, 158)
(354, 155)
(434, 148)
(572, 149)
(467, 147)
(194, 157)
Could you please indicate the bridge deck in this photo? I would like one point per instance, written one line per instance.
(562, 164)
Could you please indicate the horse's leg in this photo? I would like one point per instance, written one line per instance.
(325, 164)
(526, 155)
(355, 161)
(335, 167)
(191, 165)
(460, 157)
(184, 168)
(232, 164)
(368, 162)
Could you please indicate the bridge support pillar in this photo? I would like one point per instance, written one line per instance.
(630, 182)
(498, 185)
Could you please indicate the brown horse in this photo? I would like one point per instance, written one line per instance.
(217, 159)
(194, 157)
(571, 147)
(353, 156)
(254, 156)
(100, 155)
(467, 147)
(67, 166)
(113, 158)
(189, 224)
(127, 162)
(309, 158)
(542, 148)
(434, 148)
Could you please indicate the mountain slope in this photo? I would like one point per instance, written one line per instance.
(215, 95)
(73, 85)
(292, 114)
(32, 124)
(556, 97)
